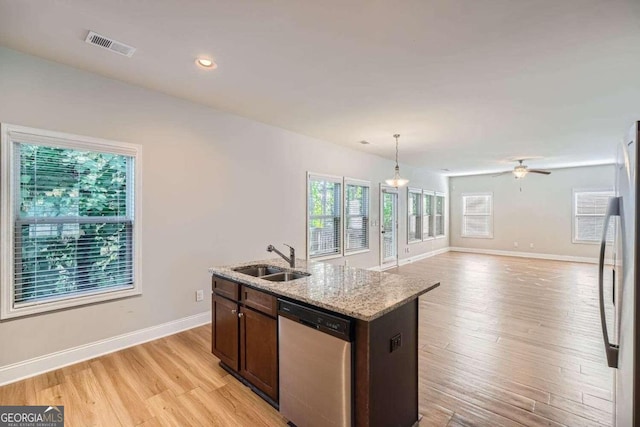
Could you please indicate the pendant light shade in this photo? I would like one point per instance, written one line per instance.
(397, 180)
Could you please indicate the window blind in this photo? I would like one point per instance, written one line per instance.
(324, 216)
(414, 215)
(427, 215)
(590, 208)
(356, 217)
(73, 230)
(439, 215)
(477, 215)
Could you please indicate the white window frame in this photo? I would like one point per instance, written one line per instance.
(418, 191)
(574, 208)
(431, 222)
(444, 215)
(357, 182)
(330, 178)
(491, 216)
(9, 134)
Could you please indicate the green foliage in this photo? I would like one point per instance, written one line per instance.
(387, 209)
(324, 201)
(67, 238)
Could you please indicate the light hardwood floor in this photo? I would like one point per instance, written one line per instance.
(511, 341)
(503, 342)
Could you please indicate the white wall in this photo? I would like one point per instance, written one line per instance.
(217, 189)
(541, 214)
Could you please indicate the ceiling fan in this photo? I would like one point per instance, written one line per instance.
(521, 170)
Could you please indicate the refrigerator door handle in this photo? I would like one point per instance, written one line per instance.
(613, 209)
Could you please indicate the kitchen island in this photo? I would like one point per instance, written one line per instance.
(383, 313)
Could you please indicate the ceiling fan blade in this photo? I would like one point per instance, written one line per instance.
(540, 171)
(500, 174)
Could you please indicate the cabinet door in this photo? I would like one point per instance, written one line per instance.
(225, 331)
(259, 351)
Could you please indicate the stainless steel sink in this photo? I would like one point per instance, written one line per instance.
(285, 276)
(270, 272)
(258, 270)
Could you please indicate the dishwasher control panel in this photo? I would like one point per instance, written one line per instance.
(329, 323)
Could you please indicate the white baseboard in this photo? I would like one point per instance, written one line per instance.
(525, 255)
(418, 257)
(382, 268)
(552, 257)
(38, 365)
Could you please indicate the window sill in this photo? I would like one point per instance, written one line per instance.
(441, 237)
(325, 257)
(476, 237)
(413, 242)
(360, 251)
(588, 242)
(44, 307)
(426, 239)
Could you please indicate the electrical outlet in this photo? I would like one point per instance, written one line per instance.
(531, 245)
(199, 295)
(396, 343)
(515, 244)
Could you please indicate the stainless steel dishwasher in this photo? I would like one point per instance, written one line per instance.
(315, 366)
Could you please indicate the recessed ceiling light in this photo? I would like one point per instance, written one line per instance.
(363, 142)
(206, 63)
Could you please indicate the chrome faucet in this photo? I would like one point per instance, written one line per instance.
(292, 254)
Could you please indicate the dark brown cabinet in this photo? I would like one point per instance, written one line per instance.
(224, 343)
(226, 288)
(259, 351)
(245, 334)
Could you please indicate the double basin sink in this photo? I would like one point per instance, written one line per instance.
(271, 273)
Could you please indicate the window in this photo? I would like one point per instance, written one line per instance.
(428, 223)
(439, 215)
(324, 227)
(414, 215)
(356, 215)
(70, 217)
(477, 215)
(589, 209)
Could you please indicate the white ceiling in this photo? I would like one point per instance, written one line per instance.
(467, 83)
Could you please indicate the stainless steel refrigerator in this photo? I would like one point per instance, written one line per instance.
(620, 325)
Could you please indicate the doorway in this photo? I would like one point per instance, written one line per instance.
(388, 227)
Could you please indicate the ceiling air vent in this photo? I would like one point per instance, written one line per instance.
(109, 44)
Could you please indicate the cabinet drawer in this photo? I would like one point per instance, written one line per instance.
(260, 301)
(226, 288)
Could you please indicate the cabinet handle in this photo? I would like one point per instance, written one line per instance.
(234, 311)
(240, 314)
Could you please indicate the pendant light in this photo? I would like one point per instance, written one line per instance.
(397, 181)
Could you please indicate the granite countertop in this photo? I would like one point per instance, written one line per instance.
(354, 292)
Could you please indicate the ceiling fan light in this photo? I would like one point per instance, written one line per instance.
(520, 172)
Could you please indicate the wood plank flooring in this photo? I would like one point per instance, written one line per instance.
(503, 342)
(510, 342)
(173, 381)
